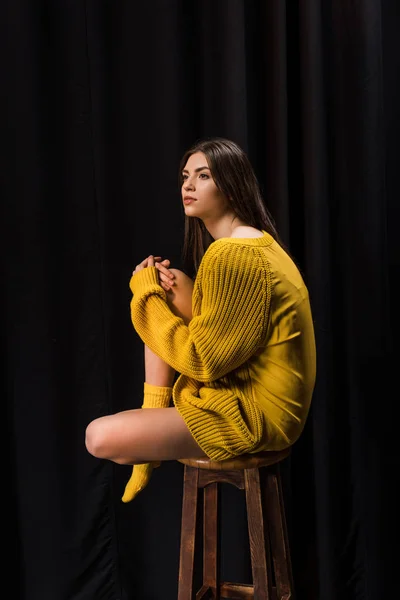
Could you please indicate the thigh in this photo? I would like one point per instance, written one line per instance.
(142, 435)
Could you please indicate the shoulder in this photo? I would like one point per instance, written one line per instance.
(226, 249)
(234, 260)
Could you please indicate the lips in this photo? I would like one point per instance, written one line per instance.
(188, 200)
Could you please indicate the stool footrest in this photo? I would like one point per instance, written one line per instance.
(237, 590)
(241, 591)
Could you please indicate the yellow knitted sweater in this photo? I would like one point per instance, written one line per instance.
(247, 359)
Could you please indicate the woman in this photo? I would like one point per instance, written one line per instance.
(240, 336)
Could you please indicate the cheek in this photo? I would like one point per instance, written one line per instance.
(213, 192)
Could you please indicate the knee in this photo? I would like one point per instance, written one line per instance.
(182, 279)
(180, 296)
(96, 438)
(183, 285)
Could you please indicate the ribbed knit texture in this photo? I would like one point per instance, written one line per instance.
(154, 397)
(232, 293)
(236, 393)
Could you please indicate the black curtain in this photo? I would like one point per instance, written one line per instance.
(99, 99)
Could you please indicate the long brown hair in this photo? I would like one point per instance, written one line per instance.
(234, 176)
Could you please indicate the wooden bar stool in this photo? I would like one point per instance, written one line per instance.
(269, 545)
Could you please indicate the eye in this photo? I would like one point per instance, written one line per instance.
(184, 176)
(204, 176)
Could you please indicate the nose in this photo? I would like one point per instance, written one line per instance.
(188, 184)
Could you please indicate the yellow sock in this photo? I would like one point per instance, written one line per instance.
(155, 396)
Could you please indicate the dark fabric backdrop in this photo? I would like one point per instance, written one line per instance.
(99, 99)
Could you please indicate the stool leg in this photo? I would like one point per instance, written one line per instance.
(188, 533)
(259, 550)
(275, 511)
(210, 537)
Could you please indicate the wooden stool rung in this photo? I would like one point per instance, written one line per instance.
(233, 478)
(240, 591)
(205, 593)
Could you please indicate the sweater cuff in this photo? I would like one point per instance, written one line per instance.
(156, 396)
(145, 282)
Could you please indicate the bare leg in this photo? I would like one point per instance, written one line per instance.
(145, 435)
(157, 372)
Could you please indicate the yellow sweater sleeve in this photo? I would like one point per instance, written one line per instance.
(233, 282)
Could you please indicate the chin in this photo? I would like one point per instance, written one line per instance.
(189, 212)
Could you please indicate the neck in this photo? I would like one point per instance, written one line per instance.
(222, 227)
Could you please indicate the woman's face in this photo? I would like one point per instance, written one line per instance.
(201, 197)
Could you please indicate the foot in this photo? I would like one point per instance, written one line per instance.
(139, 479)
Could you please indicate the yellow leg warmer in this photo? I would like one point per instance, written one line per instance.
(154, 397)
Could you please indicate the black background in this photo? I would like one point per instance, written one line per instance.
(99, 100)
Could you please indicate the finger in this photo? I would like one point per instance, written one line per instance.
(165, 281)
(164, 276)
(167, 288)
(140, 266)
(165, 271)
(161, 267)
(150, 261)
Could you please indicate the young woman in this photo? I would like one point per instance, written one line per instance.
(233, 350)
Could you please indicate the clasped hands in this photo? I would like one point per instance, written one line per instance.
(165, 276)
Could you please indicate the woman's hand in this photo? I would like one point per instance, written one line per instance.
(166, 277)
(147, 262)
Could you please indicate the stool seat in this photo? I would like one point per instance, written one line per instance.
(238, 463)
(259, 476)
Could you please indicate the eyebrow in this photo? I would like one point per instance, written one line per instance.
(196, 170)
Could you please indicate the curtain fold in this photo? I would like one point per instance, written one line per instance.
(99, 100)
